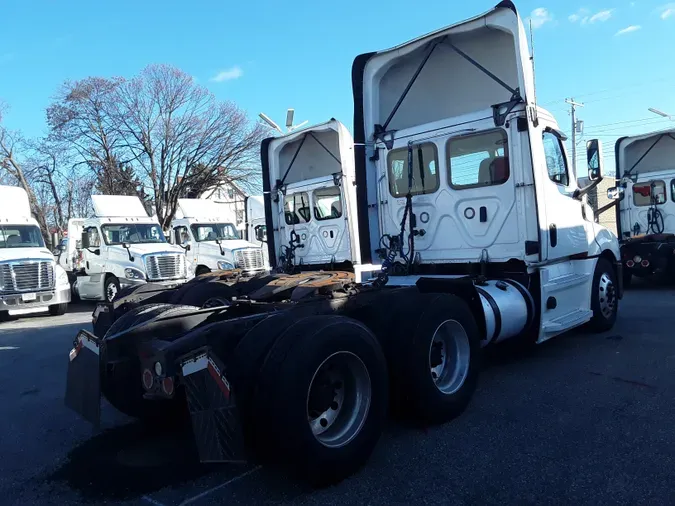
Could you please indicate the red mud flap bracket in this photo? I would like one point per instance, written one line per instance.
(83, 384)
(215, 418)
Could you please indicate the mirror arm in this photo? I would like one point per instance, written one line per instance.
(606, 207)
(580, 192)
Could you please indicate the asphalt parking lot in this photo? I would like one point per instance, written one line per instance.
(585, 419)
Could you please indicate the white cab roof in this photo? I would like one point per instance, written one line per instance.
(14, 202)
(118, 206)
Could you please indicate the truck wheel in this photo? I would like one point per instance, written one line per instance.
(111, 288)
(435, 359)
(202, 270)
(211, 294)
(4, 316)
(604, 300)
(58, 309)
(324, 388)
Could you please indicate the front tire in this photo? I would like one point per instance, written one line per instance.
(58, 309)
(111, 288)
(604, 300)
(324, 384)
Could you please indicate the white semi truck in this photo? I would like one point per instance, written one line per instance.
(471, 232)
(645, 216)
(30, 278)
(121, 247)
(314, 204)
(211, 240)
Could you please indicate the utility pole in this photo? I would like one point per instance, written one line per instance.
(575, 125)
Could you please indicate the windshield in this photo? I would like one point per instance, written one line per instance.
(132, 233)
(20, 236)
(213, 231)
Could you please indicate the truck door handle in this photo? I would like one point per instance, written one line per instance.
(483, 214)
(553, 234)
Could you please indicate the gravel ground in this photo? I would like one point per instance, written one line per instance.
(585, 419)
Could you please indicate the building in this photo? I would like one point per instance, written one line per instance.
(597, 198)
(233, 199)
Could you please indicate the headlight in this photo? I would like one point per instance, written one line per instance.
(61, 277)
(225, 266)
(133, 274)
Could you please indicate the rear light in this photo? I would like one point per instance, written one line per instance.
(148, 379)
(637, 259)
(167, 386)
(645, 263)
(630, 264)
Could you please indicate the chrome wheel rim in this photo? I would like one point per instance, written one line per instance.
(449, 357)
(338, 399)
(111, 291)
(606, 295)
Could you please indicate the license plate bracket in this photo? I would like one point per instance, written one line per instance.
(28, 297)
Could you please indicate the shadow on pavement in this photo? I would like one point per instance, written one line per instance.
(129, 461)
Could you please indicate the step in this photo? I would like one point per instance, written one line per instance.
(562, 282)
(568, 321)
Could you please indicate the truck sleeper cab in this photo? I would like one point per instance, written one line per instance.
(311, 217)
(30, 278)
(122, 246)
(645, 214)
(214, 242)
(469, 231)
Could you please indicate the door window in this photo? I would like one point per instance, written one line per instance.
(327, 203)
(182, 235)
(423, 181)
(478, 160)
(296, 208)
(556, 163)
(643, 193)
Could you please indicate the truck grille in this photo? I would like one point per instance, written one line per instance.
(165, 266)
(26, 276)
(250, 259)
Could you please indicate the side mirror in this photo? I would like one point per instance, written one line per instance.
(260, 233)
(594, 159)
(615, 193)
(188, 247)
(125, 245)
(62, 247)
(85, 240)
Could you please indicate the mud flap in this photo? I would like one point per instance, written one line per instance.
(215, 418)
(83, 384)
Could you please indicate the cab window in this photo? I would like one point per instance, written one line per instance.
(94, 237)
(423, 181)
(644, 192)
(296, 208)
(556, 163)
(478, 160)
(327, 203)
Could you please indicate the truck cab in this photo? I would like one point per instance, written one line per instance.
(30, 278)
(212, 241)
(645, 215)
(312, 215)
(460, 172)
(122, 246)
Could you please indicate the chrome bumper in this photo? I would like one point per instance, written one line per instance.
(34, 300)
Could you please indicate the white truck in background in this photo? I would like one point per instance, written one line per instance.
(30, 278)
(314, 207)
(211, 240)
(645, 216)
(122, 246)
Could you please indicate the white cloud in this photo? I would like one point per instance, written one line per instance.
(580, 15)
(628, 29)
(601, 16)
(667, 10)
(227, 75)
(540, 16)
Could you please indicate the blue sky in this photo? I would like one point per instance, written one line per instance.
(613, 55)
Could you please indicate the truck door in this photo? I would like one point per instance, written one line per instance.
(297, 216)
(560, 215)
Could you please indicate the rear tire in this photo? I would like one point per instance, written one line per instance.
(202, 270)
(324, 386)
(58, 309)
(604, 300)
(210, 294)
(435, 359)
